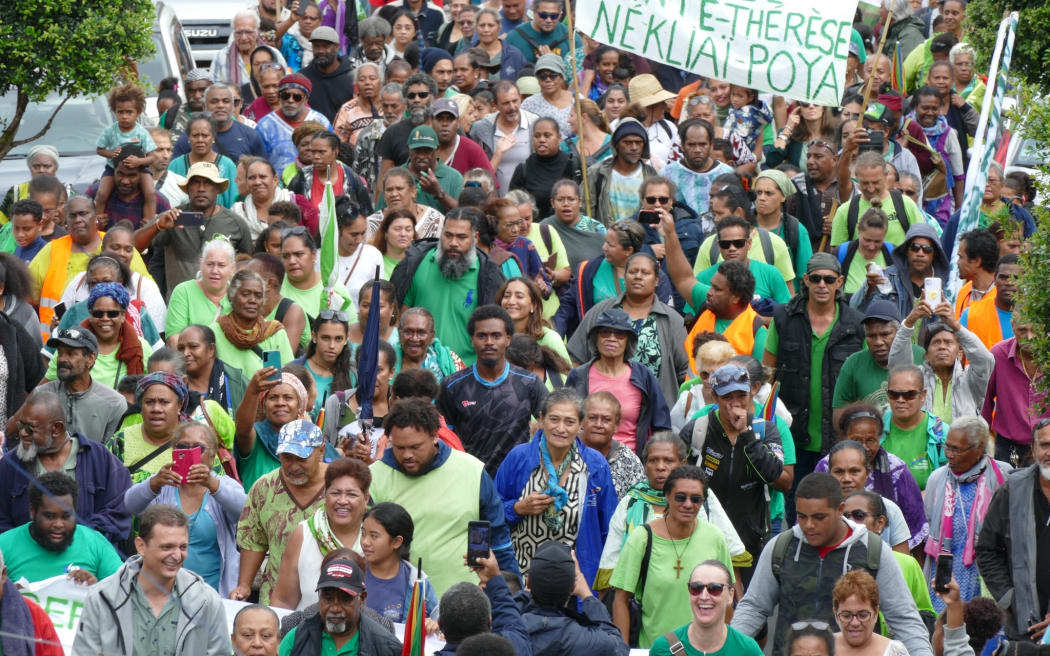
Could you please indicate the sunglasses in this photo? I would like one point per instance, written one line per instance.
(413, 95)
(183, 445)
(805, 105)
(817, 278)
(291, 95)
(726, 244)
(857, 515)
(547, 75)
(334, 315)
(713, 589)
(907, 395)
(610, 332)
(109, 314)
(295, 230)
(546, 15)
(810, 624)
(658, 200)
(682, 497)
(915, 248)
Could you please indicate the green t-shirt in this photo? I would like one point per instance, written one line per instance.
(665, 600)
(255, 465)
(916, 582)
(308, 299)
(451, 301)
(781, 255)
(895, 231)
(561, 260)
(108, 370)
(736, 644)
(605, 284)
(910, 446)
(863, 379)
(245, 359)
(818, 344)
(554, 342)
(768, 283)
(25, 557)
(389, 264)
(189, 305)
(857, 275)
(327, 645)
(942, 400)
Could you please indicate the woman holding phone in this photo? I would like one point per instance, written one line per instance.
(243, 335)
(145, 448)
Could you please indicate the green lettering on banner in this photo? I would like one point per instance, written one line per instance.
(809, 70)
(829, 37)
(704, 15)
(811, 33)
(829, 79)
(791, 25)
(772, 66)
(754, 18)
(57, 609)
(842, 39)
(627, 27)
(670, 45)
(736, 13)
(771, 27)
(610, 29)
(653, 31)
(753, 62)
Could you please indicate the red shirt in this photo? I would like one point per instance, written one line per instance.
(824, 551)
(469, 155)
(44, 631)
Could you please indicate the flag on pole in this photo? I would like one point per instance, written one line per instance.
(988, 128)
(328, 263)
(368, 365)
(769, 413)
(415, 634)
(897, 73)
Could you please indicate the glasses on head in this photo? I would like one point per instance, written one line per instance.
(698, 99)
(857, 515)
(109, 314)
(658, 200)
(546, 15)
(827, 279)
(420, 95)
(846, 616)
(291, 95)
(334, 315)
(294, 230)
(726, 244)
(907, 395)
(695, 499)
(816, 143)
(925, 248)
(266, 66)
(810, 624)
(547, 75)
(954, 450)
(713, 589)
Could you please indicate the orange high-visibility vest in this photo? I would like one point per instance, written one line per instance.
(983, 320)
(54, 282)
(740, 333)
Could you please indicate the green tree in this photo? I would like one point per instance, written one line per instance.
(68, 47)
(1031, 58)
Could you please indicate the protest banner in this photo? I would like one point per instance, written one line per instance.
(797, 50)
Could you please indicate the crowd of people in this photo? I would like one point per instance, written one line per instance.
(662, 361)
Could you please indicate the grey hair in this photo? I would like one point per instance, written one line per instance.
(522, 197)
(221, 244)
(962, 48)
(421, 311)
(168, 354)
(871, 160)
(372, 27)
(490, 12)
(219, 85)
(996, 166)
(238, 281)
(209, 434)
(563, 395)
(478, 174)
(975, 429)
(392, 88)
(245, 13)
(666, 437)
(908, 369)
(357, 70)
(901, 9)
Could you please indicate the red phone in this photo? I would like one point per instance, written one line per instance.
(182, 460)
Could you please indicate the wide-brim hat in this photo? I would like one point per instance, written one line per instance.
(208, 171)
(646, 90)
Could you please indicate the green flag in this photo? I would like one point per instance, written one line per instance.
(329, 261)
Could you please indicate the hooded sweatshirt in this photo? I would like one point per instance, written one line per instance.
(330, 90)
(904, 293)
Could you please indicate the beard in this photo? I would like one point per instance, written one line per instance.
(1044, 471)
(455, 266)
(417, 115)
(335, 626)
(49, 544)
(324, 61)
(26, 453)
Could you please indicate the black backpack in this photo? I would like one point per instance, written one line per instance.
(854, 210)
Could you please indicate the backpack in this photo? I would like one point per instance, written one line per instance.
(763, 238)
(848, 250)
(536, 45)
(699, 436)
(854, 210)
(783, 541)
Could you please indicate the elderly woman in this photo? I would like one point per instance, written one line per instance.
(613, 340)
(201, 134)
(399, 193)
(213, 503)
(40, 160)
(393, 237)
(310, 181)
(263, 192)
(556, 488)
(417, 347)
(521, 298)
(204, 299)
(583, 237)
(855, 600)
(660, 329)
(546, 165)
(508, 58)
(359, 112)
(554, 99)
(334, 525)
(242, 335)
(206, 374)
(121, 350)
(266, 100)
(143, 447)
(260, 59)
(967, 83)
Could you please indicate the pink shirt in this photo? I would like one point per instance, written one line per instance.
(630, 398)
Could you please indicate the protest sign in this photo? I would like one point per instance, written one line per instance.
(798, 50)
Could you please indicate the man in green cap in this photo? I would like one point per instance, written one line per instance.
(439, 184)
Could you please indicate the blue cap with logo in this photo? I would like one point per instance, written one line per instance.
(299, 438)
(730, 378)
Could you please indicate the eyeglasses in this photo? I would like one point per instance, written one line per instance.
(266, 66)
(713, 589)
(109, 314)
(187, 445)
(907, 395)
(658, 200)
(334, 315)
(413, 95)
(695, 499)
(805, 105)
(846, 616)
(291, 95)
(954, 450)
(547, 75)
(857, 515)
(827, 279)
(810, 624)
(26, 428)
(726, 244)
(514, 224)
(915, 248)
(546, 15)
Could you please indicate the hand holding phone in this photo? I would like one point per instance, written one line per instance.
(273, 359)
(648, 217)
(182, 460)
(190, 220)
(478, 542)
(944, 573)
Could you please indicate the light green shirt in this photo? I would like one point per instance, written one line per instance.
(561, 260)
(781, 255)
(189, 305)
(245, 359)
(942, 401)
(895, 231)
(327, 645)
(89, 550)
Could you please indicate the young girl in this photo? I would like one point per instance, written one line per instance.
(127, 102)
(350, 436)
(747, 117)
(386, 541)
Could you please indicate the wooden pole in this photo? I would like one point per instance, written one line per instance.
(579, 110)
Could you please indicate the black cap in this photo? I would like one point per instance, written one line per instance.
(616, 320)
(76, 337)
(343, 574)
(882, 310)
(552, 574)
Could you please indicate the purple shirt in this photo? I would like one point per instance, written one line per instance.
(118, 209)
(1011, 396)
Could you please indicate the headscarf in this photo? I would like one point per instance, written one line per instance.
(42, 149)
(113, 290)
(292, 381)
(787, 187)
(130, 350)
(168, 379)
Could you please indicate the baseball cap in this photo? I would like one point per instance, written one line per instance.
(444, 106)
(422, 136)
(876, 111)
(343, 574)
(299, 438)
(730, 378)
(552, 574)
(76, 337)
(823, 261)
(324, 33)
(550, 62)
(208, 171)
(882, 310)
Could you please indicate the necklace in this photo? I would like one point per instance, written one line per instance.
(674, 545)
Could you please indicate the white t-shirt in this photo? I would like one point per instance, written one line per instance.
(357, 269)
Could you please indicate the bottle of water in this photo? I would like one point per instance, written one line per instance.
(884, 287)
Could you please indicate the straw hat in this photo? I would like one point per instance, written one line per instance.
(645, 90)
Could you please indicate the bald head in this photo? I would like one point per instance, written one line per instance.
(46, 405)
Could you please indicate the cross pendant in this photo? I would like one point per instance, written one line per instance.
(678, 569)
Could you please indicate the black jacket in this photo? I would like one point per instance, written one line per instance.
(489, 276)
(557, 632)
(793, 361)
(330, 90)
(374, 639)
(24, 367)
